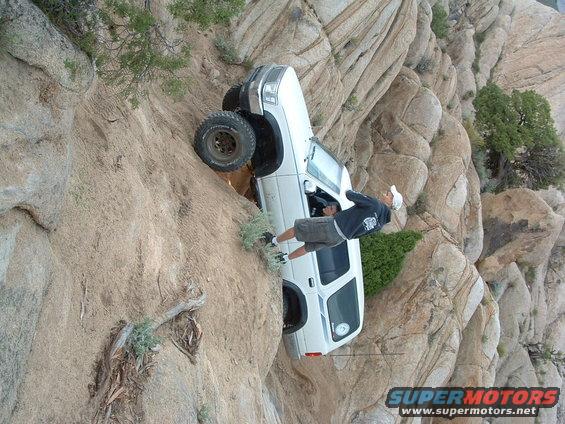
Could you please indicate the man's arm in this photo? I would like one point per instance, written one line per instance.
(358, 198)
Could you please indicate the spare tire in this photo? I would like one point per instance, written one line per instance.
(231, 98)
(225, 141)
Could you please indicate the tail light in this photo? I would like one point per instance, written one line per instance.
(313, 354)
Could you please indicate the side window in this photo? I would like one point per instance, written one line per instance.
(343, 309)
(319, 200)
(333, 262)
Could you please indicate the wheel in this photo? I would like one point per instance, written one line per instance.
(286, 308)
(225, 141)
(231, 98)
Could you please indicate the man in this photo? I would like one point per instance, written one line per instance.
(365, 217)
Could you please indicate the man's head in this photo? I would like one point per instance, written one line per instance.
(393, 199)
(330, 210)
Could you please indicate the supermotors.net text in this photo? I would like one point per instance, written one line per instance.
(469, 412)
(451, 402)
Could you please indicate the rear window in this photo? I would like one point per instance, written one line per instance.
(332, 263)
(343, 310)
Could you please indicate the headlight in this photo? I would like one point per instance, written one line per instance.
(270, 90)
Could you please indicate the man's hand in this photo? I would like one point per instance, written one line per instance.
(330, 210)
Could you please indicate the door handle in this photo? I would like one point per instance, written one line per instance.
(311, 282)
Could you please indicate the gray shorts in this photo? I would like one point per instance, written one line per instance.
(317, 233)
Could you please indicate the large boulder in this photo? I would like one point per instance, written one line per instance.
(26, 270)
(36, 110)
(423, 32)
(519, 227)
(447, 186)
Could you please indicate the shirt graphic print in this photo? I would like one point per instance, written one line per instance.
(370, 223)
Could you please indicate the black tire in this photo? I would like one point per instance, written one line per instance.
(286, 308)
(225, 141)
(231, 98)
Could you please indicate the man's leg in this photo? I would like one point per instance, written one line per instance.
(287, 235)
(301, 251)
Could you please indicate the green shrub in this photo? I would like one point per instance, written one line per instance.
(419, 205)
(72, 67)
(142, 338)
(125, 41)
(475, 67)
(469, 94)
(501, 349)
(520, 138)
(426, 64)
(484, 338)
(205, 13)
(338, 58)
(351, 103)
(382, 256)
(227, 50)
(318, 119)
(270, 255)
(253, 230)
(439, 21)
(479, 37)
(203, 415)
(478, 153)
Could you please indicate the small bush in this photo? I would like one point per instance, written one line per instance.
(351, 103)
(203, 415)
(469, 94)
(439, 21)
(425, 84)
(338, 57)
(479, 37)
(205, 13)
(247, 64)
(419, 205)
(253, 230)
(382, 256)
(501, 349)
(72, 67)
(484, 339)
(270, 255)
(142, 338)
(426, 64)
(445, 77)
(318, 119)
(227, 50)
(475, 66)
(450, 105)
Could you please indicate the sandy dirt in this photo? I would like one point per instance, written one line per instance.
(142, 218)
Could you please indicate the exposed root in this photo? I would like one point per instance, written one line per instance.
(121, 376)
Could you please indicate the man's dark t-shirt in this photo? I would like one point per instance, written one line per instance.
(367, 216)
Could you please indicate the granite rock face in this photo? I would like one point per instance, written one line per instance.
(345, 53)
(535, 29)
(37, 102)
(36, 111)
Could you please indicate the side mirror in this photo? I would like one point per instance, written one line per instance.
(309, 187)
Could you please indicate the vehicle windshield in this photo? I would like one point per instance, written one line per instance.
(343, 309)
(325, 167)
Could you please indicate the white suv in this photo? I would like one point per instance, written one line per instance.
(265, 120)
